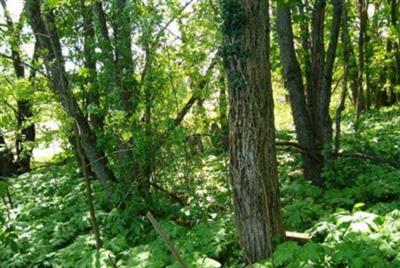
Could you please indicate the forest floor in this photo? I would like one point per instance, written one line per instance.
(353, 222)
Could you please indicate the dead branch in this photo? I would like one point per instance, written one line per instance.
(378, 159)
(300, 238)
(166, 239)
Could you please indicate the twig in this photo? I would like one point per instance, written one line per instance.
(173, 196)
(27, 65)
(113, 264)
(166, 239)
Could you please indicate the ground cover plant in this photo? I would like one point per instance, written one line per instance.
(353, 224)
(199, 133)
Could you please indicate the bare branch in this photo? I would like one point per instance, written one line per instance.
(27, 65)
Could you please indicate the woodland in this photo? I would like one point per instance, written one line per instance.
(199, 133)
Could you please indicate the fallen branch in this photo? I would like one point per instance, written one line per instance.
(299, 148)
(166, 239)
(300, 238)
(378, 159)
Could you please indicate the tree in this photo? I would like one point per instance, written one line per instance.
(44, 28)
(253, 167)
(360, 101)
(25, 132)
(310, 107)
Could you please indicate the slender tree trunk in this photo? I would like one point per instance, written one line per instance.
(104, 40)
(368, 55)
(326, 82)
(346, 55)
(395, 51)
(317, 67)
(148, 168)
(96, 118)
(46, 33)
(360, 101)
(253, 167)
(223, 115)
(85, 173)
(312, 159)
(127, 84)
(7, 166)
(306, 43)
(7, 169)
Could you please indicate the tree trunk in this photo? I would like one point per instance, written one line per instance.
(7, 166)
(25, 129)
(306, 44)
(312, 159)
(346, 55)
(394, 51)
(326, 82)
(253, 167)
(317, 68)
(127, 84)
(360, 101)
(96, 118)
(47, 36)
(89, 194)
(223, 115)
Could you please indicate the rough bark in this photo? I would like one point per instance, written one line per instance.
(46, 33)
(253, 169)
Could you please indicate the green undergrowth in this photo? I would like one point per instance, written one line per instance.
(353, 222)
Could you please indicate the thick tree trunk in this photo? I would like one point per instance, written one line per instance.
(312, 159)
(47, 36)
(253, 167)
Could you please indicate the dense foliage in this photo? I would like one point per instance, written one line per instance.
(195, 133)
(353, 224)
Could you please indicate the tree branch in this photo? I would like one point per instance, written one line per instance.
(378, 159)
(27, 65)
